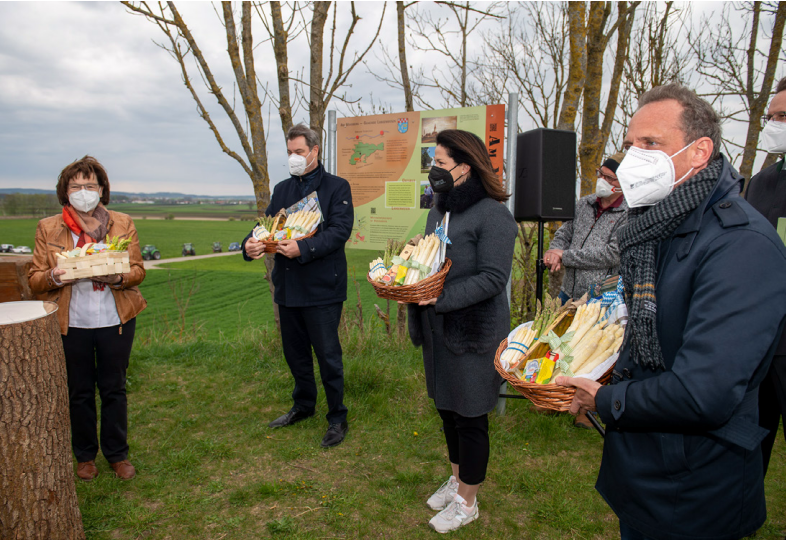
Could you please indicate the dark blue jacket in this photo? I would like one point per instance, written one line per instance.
(682, 453)
(319, 275)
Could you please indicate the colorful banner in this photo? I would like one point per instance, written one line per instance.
(386, 159)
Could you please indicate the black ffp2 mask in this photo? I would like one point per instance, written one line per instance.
(441, 179)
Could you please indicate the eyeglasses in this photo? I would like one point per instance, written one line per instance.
(608, 178)
(77, 187)
(779, 116)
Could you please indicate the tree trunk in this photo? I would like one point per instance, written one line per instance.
(268, 260)
(591, 144)
(401, 321)
(39, 498)
(316, 103)
(759, 102)
(408, 91)
(282, 66)
(577, 65)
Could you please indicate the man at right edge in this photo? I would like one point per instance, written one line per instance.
(704, 278)
(766, 193)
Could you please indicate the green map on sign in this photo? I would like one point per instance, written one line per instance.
(364, 150)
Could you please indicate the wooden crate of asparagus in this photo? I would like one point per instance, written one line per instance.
(95, 259)
(574, 341)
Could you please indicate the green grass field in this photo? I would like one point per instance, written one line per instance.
(206, 210)
(208, 466)
(167, 235)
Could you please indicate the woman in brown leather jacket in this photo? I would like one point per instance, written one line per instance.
(97, 316)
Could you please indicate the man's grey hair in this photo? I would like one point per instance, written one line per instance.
(780, 86)
(698, 118)
(302, 130)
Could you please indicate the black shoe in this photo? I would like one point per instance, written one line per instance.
(290, 418)
(335, 435)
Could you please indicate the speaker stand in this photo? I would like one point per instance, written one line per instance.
(540, 266)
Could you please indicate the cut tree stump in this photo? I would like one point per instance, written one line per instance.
(38, 496)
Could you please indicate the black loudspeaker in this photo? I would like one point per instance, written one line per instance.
(545, 175)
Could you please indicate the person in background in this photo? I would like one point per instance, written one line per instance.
(310, 276)
(766, 193)
(587, 246)
(704, 279)
(460, 330)
(97, 316)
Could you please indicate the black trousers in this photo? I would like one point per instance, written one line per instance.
(468, 444)
(98, 357)
(771, 406)
(315, 327)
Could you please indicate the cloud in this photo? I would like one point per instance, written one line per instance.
(82, 78)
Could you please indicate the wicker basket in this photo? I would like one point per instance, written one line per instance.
(88, 266)
(428, 288)
(548, 395)
(270, 245)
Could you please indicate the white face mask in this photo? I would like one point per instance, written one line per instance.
(648, 176)
(84, 200)
(298, 164)
(604, 188)
(773, 136)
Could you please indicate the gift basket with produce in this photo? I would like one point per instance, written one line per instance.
(95, 259)
(580, 339)
(300, 221)
(413, 273)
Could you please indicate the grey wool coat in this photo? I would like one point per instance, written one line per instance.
(590, 246)
(460, 333)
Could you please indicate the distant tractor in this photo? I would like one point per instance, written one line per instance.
(216, 247)
(150, 252)
(234, 247)
(188, 249)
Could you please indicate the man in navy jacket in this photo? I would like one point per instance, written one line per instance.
(682, 452)
(310, 280)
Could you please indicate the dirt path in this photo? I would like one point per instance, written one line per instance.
(153, 264)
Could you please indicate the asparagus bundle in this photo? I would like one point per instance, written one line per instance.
(393, 248)
(377, 269)
(302, 221)
(262, 231)
(398, 270)
(546, 314)
(421, 260)
(518, 348)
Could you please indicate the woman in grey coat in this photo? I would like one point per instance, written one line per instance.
(460, 330)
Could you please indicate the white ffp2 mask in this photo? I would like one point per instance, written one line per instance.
(773, 136)
(84, 200)
(648, 176)
(604, 188)
(298, 164)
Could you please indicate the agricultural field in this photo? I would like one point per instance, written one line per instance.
(198, 211)
(167, 235)
(229, 295)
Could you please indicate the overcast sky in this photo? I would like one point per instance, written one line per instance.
(86, 78)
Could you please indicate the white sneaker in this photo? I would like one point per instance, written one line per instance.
(454, 516)
(444, 495)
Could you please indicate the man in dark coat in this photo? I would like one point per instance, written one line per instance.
(704, 277)
(766, 193)
(310, 279)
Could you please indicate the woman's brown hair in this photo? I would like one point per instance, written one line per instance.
(87, 167)
(467, 148)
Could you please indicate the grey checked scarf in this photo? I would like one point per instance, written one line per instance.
(639, 240)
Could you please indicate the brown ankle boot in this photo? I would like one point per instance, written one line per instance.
(87, 471)
(123, 469)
